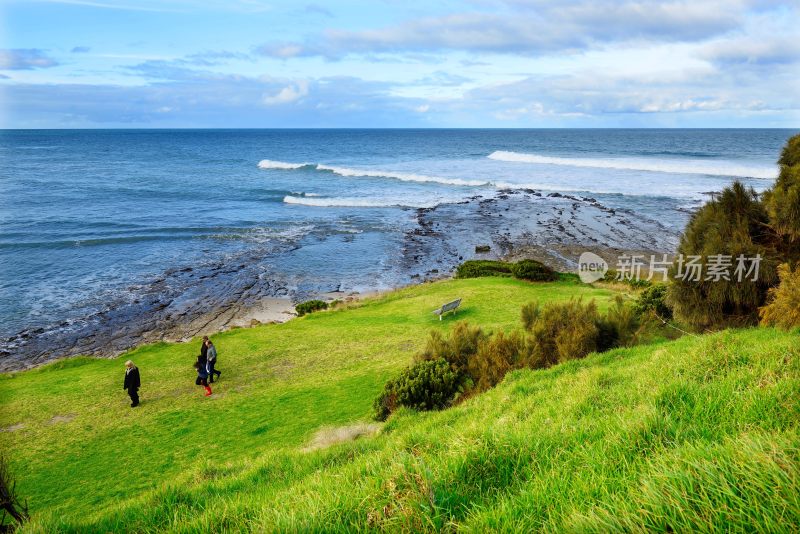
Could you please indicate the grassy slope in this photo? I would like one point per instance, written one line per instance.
(81, 448)
(699, 434)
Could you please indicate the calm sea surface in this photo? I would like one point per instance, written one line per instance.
(88, 217)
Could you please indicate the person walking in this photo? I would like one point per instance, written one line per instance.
(204, 347)
(211, 356)
(202, 374)
(132, 383)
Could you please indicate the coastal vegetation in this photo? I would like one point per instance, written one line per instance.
(530, 270)
(310, 306)
(470, 360)
(740, 224)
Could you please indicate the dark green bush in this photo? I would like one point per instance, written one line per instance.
(607, 334)
(533, 271)
(310, 306)
(480, 268)
(562, 332)
(654, 300)
(427, 385)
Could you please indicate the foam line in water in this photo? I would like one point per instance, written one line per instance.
(405, 177)
(371, 173)
(684, 166)
(342, 202)
(271, 164)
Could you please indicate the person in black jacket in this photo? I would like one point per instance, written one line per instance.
(204, 347)
(132, 383)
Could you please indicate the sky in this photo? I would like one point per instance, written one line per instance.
(399, 63)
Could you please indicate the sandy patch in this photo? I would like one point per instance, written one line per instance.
(56, 419)
(327, 436)
(13, 428)
(267, 310)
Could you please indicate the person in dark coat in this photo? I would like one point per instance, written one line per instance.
(202, 374)
(132, 383)
(204, 347)
(211, 356)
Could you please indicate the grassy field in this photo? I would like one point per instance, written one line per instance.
(280, 383)
(696, 434)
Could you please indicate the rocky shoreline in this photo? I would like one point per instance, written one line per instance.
(186, 302)
(554, 229)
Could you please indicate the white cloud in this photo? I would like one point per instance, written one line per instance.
(551, 26)
(25, 59)
(291, 93)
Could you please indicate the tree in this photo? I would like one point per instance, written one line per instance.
(733, 225)
(783, 200)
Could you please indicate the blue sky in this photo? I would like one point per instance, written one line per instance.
(392, 63)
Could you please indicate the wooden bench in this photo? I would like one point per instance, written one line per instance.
(450, 306)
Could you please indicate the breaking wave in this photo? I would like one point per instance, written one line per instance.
(270, 164)
(688, 166)
(343, 202)
(371, 173)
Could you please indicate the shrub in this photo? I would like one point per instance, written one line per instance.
(456, 349)
(496, 356)
(654, 300)
(533, 271)
(783, 308)
(625, 322)
(310, 306)
(480, 268)
(563, 332)
(734, 224)
(427, 385)
(530, 313)
(612, 276)
(607, 334)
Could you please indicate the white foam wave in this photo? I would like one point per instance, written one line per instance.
(685, 166)
(270, 164)
(405, 177)
(342, 202)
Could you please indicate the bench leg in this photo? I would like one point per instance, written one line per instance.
(440, 316)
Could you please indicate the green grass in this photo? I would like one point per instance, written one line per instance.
(695, 434)
(280, 383)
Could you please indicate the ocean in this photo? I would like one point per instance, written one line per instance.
(97, 220)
